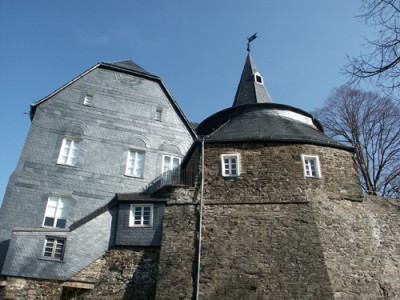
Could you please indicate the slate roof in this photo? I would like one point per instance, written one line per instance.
(249, 91)
(253, 117)
(126, 66)
(265, 122)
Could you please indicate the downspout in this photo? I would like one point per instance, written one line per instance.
(200, 221)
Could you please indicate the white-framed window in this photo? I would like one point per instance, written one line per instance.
(230, 164)
(158, 115)
(135, 163)
(88, 100)
(171, 169)
(170, 163)
(311, 166)
(54, 248)
(141, 215)
(258, 78)
(69, 152)
(56, 213)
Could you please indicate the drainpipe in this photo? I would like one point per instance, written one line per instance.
(200, 221)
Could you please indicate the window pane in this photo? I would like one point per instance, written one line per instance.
(56, 212)
(54, 248)
(48, 221)
(61, 223)
(176, 163)
(166, 164)
(141, 215)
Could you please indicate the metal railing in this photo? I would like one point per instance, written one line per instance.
(172, 177)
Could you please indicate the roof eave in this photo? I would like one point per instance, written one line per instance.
(277, 140)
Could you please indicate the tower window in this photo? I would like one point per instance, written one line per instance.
(311, 166)
(230, 164)
(258, 78)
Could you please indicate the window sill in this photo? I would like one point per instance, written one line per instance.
(53, 228)
(52, 259)
(132, 176)
(66, 165)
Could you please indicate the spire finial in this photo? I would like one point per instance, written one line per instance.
(250, 39)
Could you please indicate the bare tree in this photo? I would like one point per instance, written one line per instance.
(371, 124)
(381, 63)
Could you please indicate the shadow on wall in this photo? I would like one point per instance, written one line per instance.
(129, 273)
(3, 251)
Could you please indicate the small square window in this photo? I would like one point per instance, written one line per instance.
(56, 214)
(230, 164)
(135, 163)
(54, 248)
(158, 115)
(88, 100)
(69, 152)
(141, 215)
(258, 78)
(311, 166)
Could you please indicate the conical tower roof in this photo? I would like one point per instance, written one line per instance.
(251, 88)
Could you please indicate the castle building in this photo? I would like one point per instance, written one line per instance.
(115, 196)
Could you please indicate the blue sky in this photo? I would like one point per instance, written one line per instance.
(197, 47)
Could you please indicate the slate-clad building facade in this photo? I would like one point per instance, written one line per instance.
(115, 196)
(113, 129)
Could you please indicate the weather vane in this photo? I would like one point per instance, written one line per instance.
(250, 39)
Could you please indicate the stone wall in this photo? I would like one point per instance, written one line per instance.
(262, 251)
(123, 273)
(274, 173)
(25, 288)
(361, 244)
(177, 271)
(260, 238)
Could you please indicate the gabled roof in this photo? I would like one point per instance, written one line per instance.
(128, 67)
(251, 91)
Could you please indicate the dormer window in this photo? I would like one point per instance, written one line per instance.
(258, 78)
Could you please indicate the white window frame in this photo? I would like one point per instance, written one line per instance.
(54, 248)
(170, 172)
(134, 163)
(227, 167)
(88, 100)
(171, 164)
(158, 115)
(133, 218)
(257, 74)
(308, 161)
(57, 212)
(67, 156)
